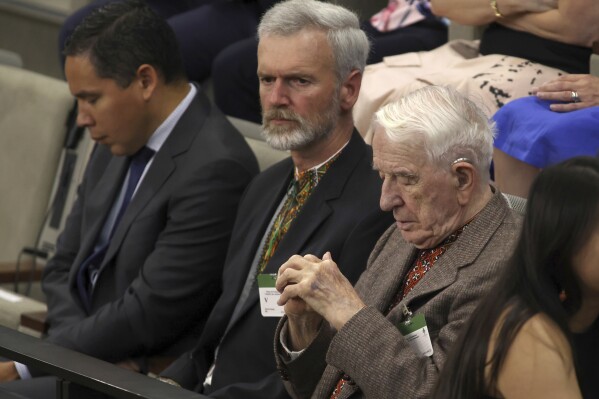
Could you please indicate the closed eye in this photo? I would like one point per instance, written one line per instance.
(266, 80)
(406, 179)
(300, 81)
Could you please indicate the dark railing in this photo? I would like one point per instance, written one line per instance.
(73, 367)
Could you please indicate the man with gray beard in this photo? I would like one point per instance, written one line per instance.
(324, 198)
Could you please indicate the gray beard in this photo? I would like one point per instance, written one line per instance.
(308, 131)
(291, 139)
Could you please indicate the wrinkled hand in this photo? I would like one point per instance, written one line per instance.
(308, 284)
(8, 372)
(560, 89)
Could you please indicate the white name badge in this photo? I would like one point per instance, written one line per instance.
(269, 296)
(415, 331)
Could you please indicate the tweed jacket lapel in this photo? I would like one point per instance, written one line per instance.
(463, 252)
(395, 264)
(381, 291)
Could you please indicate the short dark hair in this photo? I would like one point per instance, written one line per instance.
(123, 35)
(561, 214)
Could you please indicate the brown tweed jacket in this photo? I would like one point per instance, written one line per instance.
(370, 348)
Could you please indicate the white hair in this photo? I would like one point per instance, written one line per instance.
(348, 42)
(446, 124)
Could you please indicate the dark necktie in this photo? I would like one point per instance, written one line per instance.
(88, 270)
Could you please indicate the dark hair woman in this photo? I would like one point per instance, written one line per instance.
(537, 333)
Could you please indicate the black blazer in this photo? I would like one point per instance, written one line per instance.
(162, 271)
(342, 216)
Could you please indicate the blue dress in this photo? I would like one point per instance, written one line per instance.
(529, 131)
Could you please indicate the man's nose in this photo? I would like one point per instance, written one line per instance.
(390, 196)
(83, 118)
(278, 94)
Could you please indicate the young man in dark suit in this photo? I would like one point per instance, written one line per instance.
(138, 266)
(323, 198)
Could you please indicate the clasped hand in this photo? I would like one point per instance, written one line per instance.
(310, 286)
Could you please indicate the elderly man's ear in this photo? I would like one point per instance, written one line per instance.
(464, 175)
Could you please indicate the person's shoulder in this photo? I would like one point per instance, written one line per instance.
(540, 332)
(281, 168)
(508, 222)
(274, 175)
(539, 362)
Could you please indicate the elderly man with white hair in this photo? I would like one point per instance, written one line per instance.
(389, 336)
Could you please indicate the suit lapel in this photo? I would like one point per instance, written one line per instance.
(156, 176)
(464, 251)
(319, 206)
(100, 202)
(315, 211)
(388, 271)
(255, 225)
(392, 266)
(162, 167)
(270, 199)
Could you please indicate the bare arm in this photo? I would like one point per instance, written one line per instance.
(480, 12)
(572, 22)
(539, 364)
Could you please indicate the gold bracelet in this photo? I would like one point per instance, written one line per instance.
(498, 13)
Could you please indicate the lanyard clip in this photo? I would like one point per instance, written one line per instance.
(407, 314)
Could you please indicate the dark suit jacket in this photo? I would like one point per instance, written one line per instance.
(370, 348)
(342, 216)
(161, 274)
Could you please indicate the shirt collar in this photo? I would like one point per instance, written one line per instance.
(166, 127)
(314, 169)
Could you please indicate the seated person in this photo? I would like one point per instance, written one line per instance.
(536, 335)
(323, 198)
(401, 27)
(535, 132)
(527, 43)
(138, 265)
(453, 231)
